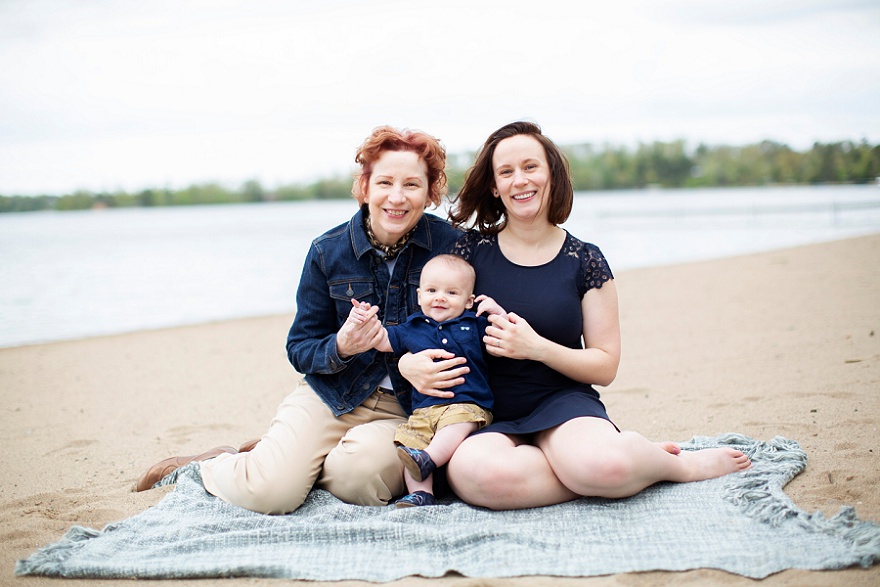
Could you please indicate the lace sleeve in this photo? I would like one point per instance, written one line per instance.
(465, 245)
(594, 269)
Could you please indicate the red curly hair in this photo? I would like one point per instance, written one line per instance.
(387, 138)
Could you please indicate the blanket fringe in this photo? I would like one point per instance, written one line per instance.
(758, 493)
(49, 560)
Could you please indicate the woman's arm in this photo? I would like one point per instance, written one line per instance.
(596, 364)
(320, 341)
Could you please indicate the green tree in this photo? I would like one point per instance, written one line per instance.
(253, 191)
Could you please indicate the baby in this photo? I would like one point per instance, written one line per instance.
(438, 425)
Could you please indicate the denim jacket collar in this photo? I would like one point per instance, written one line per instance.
(361, 244)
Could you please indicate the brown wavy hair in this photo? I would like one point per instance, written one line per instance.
(476, 207)
(387, 138)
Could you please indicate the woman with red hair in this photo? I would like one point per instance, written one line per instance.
(335, 431)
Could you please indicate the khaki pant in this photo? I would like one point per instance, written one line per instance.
(352, 456)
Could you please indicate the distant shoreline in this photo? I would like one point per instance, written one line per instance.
(658, 164)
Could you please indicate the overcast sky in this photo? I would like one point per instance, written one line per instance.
(114, 94)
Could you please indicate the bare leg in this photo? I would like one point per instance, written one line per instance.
(623, 463)
(670, 447)
(426, 484)
(440, 449)
(447, 439)
(502, 472)
(585, 456)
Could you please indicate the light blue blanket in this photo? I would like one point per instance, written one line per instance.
(742, 523)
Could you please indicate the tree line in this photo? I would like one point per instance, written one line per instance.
(662, 164)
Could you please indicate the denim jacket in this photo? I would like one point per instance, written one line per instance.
(341, 265)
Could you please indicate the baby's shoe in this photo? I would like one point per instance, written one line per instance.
(416, 499)
(417, 462)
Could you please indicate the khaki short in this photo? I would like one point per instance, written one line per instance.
(418, 431)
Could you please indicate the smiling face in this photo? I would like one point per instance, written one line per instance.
(397, 194)
(446, 289)
(522, 177)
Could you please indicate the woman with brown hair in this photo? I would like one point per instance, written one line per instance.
(551, 440)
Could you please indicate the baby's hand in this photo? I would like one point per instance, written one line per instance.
(362, 312)
(359, 331)
(487, 305)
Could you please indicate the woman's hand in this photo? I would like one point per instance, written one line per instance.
(596, 363)
(433, 371)
(513, 337)
(360, 332)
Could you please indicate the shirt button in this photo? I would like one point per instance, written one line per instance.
(443, 341)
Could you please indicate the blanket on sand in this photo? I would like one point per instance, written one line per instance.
(742, 523)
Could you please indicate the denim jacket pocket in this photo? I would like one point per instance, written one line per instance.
(363, 290)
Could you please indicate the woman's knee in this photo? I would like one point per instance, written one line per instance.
(364, 468)
(482, 478)
(609, 471)
(247, 483)
(271, 499)
(481, 471)
(608, 468)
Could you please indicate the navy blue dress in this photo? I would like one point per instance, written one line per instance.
(530, 396)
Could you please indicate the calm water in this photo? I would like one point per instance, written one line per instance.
(78, 274)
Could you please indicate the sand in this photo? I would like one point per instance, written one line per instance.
(781, 343)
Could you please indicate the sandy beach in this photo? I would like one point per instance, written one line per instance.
(783, 343)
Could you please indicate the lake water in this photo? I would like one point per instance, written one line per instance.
(67, 275)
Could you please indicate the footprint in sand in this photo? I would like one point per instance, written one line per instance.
(72, 447)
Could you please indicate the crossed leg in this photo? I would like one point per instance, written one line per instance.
(582, 457)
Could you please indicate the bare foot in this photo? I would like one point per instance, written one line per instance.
(670, 447)
(714, 462)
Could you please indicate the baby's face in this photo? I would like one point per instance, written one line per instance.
(444, 292)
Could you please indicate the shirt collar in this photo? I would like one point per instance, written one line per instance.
(466, 315)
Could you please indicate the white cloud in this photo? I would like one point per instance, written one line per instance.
(109, 95)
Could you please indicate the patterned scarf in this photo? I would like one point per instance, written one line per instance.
(390, 251)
